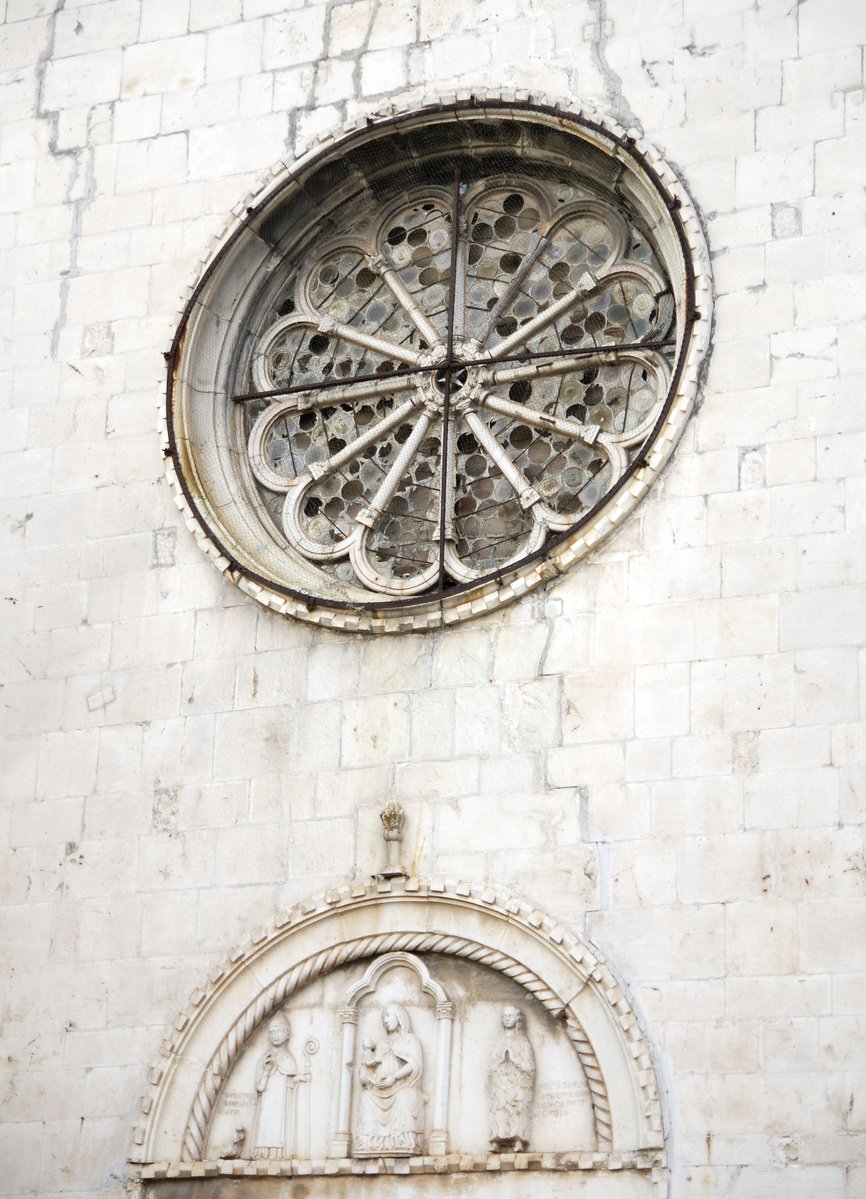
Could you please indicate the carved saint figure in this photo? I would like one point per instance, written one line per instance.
(510, 1083)
(391, 1107)
(277, 1080)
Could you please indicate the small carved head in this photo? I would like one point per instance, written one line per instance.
(278, 1030)
(512, 1017)
(394, 1017)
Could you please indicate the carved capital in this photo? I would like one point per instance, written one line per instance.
(393, 818)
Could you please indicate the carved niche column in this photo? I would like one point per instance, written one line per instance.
(439, 1133)
(341, 1141)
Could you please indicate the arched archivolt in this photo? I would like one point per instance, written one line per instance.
(560, 971)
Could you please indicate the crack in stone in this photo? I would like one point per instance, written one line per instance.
(615, 99)
(79, 205)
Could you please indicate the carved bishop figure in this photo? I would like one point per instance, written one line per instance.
(277, 1080)
(510, 1084)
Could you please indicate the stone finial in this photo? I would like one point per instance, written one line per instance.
(393, 818)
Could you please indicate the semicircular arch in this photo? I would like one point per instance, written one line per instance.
(562, 972)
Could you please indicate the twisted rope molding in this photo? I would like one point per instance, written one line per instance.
(229, 1048)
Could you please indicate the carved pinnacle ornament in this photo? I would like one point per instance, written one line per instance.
(393, 818)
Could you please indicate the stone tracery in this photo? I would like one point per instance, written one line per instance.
(456, 401)
(400, 398)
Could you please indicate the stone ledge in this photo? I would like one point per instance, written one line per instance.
(452, 1163)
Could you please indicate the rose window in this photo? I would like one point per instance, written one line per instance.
(430, 362)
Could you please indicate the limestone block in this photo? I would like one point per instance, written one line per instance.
(598, 705)
(225, 631)
(744, 1103)
(269, 679)
(321, 849)
(679, 522)
(375, 729)
(340, 793)
(382, 71)
(256, 854)
(713, 870)
(747, 314)
(818, 952)
(209, 805)
(21, 1148)
(698, 756)
(747, 366)
(790, 1046)
(644, 872)
(705, 1047)
(461, 659)
(165, 65)
(738, 270)
(168, 923)
(97, 27)
(166, 638)
(829, 26)
(830, 616)
(50, 821)
(234, 50)
(505, 773)
(662, 699)
(647, 759)
(110, 927)
(615, 809)
(33, 706)
(260, 8)
(335, 78)
(235, 148)
(292, 37)
(682, 807)
(85, 79)
(653, 633)
(117, 815)
(213, 14)
(761, 938)
(395, 665)
(431, 724)
(661, 944)
(318, 738)
(827, 687)
(293, 87)
(582, 765)
(436, 780)
(821, 862)
(225, 917)
(774, 799)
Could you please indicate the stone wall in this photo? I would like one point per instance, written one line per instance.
(665, 751)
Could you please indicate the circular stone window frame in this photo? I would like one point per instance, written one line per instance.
(650, 177)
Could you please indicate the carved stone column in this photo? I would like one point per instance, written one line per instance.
(341, 1141)
(442, 1086)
